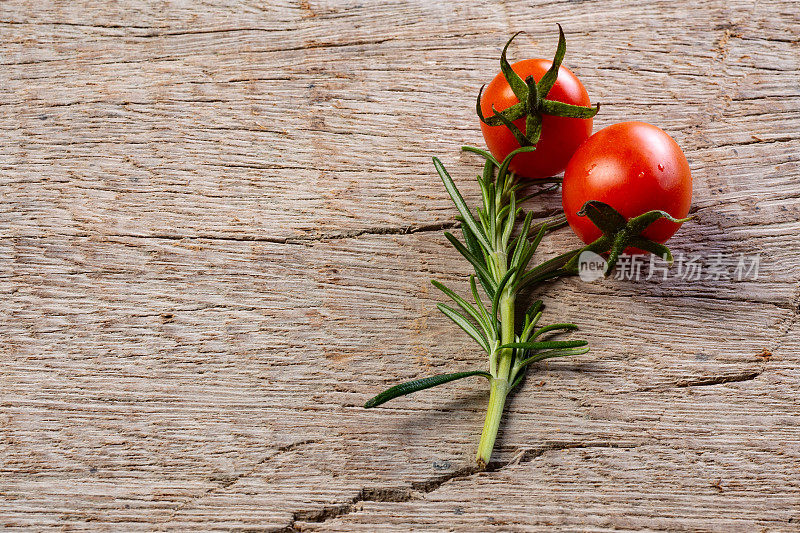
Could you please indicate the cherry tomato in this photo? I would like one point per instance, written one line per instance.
(561, 136)
(634, 167)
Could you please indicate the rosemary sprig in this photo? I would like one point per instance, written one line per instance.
(501, 261)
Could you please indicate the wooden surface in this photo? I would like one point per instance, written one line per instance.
(219, 221)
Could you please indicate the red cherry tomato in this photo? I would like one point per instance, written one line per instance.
(634, 167)
(561, 136)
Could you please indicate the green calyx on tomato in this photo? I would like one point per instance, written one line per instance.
(620, 234)
(532, 96)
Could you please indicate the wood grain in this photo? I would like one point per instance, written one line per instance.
(219, 222)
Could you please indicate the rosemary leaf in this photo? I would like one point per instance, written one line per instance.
(462, 322)
(420, 384)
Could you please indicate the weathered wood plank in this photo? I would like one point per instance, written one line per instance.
(219, 223)
(186, 392)
(201, 137)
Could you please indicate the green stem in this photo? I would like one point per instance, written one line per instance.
(500, 383)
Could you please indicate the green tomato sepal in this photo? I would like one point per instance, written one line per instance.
(620, 234)
(532, 99)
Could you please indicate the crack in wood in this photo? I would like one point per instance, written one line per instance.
(400, 494)
(299, 240)
(790, 321)
(700, 297)
(303, 240)
(719, 380)
(226, 480)
(379, 494)
(749, 375)
(526, 455)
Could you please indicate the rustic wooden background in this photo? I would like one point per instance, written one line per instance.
(218, 225)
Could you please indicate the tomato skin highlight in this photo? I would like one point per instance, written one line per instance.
(634, 167)
(561, 136)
